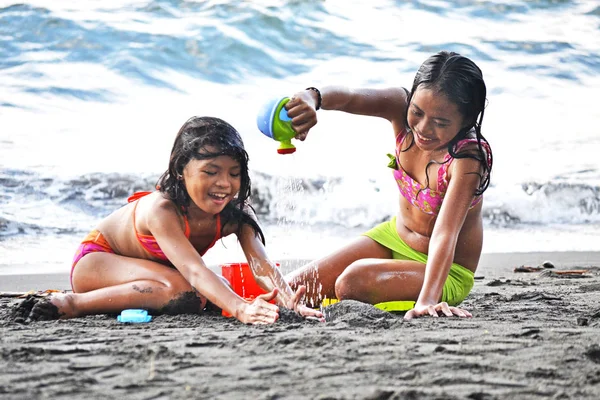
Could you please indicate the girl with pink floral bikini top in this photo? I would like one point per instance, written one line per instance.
(424, 198)
(149, 243)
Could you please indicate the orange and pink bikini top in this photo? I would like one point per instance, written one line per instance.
(424, 198)
(149, 243)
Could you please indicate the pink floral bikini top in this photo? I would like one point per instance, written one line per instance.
(426, 199)
(149, 243)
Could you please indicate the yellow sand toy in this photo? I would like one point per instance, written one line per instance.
(389, 306)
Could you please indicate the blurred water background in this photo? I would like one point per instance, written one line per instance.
(93, 92)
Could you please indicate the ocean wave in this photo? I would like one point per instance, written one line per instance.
(32, 204)
(217, 42)
(233, 42)
(543, 203)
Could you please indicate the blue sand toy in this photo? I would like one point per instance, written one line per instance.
(134, 316)
(274, 122)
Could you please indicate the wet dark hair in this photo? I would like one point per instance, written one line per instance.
(192, 142)
(461, 81)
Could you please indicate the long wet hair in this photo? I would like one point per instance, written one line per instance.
(192, 142)
(461, 81)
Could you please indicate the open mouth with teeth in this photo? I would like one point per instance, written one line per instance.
(423, 138)
(218, 196)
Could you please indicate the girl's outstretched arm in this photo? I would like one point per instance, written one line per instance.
(442, 245)
(164, 224)
(385, 103)
(269, 277)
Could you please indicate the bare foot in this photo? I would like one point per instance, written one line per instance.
(23, 309)
(56, 306)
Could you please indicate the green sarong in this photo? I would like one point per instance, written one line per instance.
(460, 280)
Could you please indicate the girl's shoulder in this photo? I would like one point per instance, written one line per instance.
(154, 208)
(400, 132)
(471, 144)
(475, 154)
(154, 201)
(471, 137)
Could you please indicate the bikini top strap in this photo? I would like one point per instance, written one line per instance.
(134, 210)
(139, 195)
(187, 226)
(134, 197)
(486, 148)
(400, 136)
(443, 171)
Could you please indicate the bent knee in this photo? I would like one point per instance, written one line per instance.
(354, 283)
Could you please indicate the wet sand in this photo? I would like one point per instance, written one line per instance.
(534, 335)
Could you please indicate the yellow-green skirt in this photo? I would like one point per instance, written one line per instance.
(460, 280)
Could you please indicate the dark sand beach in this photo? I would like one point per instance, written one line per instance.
(534, 335)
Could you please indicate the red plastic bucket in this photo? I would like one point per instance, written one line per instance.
(242, 281)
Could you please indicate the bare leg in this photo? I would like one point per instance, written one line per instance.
(377, 280)
(320, 276)
(109, 283)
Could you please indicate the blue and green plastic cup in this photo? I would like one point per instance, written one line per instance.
(273, 121)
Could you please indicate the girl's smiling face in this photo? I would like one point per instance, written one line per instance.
(433, 119)
(212, 183)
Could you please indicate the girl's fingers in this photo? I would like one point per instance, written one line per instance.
(264, 321)
(409, 315)
(458, 312)
(302, 128)
(296, 297)
(301, 136)
(461, 313)
(303, 124)
(269, 296)
(304, 118)
(432, 311)
(266, 315)
(445, 309)
(267, 307)
(292, 103)
(262, 311)
(309, 312)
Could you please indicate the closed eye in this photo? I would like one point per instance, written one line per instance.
(417, 112)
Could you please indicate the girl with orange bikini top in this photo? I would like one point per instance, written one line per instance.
(148, 254)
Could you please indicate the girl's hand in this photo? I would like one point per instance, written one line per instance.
(301, 309)
(260, 311)
(301, 109)
(434, 310)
